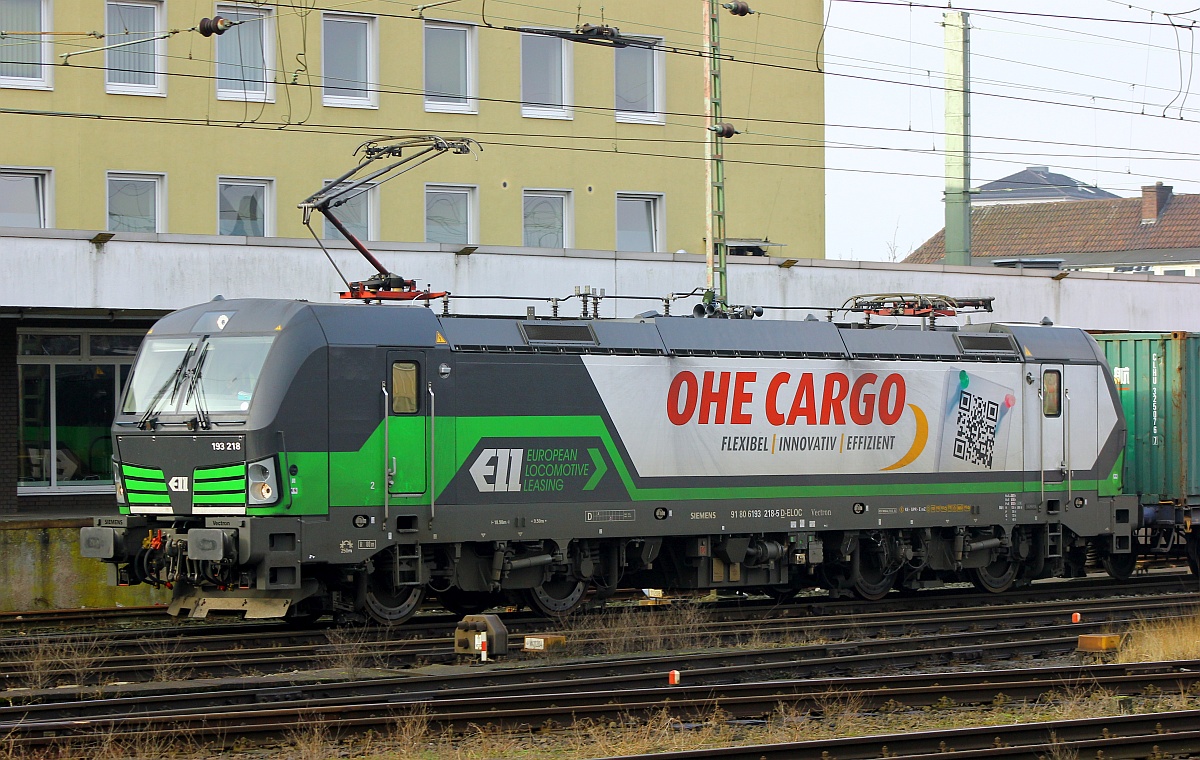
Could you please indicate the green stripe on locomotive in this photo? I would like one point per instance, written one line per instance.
(357, 478)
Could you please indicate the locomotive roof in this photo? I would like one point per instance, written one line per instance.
(419, 327)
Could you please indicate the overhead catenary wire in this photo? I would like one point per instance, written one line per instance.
(496, 143)
(681, 50)
(606, 109)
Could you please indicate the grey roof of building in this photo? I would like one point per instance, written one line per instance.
(1038, 183)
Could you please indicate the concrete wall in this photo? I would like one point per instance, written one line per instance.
(40, 568)
(62, 269)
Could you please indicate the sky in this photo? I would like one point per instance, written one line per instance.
(1110, 102)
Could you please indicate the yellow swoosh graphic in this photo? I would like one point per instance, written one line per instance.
(919, 440)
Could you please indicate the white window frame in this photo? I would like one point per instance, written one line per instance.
(659, 216)
(472, 193)
(471, 105)
(566, 57)
(85, 357)
(658, 61)
(268, 186)
(159, 88)
(46, 80)
(567, 197)
(372, 194)
(372, 84)
(160, 197)
(46, 196)
(267, 29)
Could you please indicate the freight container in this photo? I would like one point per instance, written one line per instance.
(1157, 376)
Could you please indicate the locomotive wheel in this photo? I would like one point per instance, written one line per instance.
(556, 598)
(873, 585)
(461, 602)
(996, 577)
(1120, 566)
(391, 606)
(870, 581)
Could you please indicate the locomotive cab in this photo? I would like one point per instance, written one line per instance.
(198, 450)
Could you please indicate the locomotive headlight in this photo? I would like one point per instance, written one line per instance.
(262, 484)
(262, 491)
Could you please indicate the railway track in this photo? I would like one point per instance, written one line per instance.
(458, 704)
(91, 617)
(745, 684)
(1158, 578)
(1149, 735)
(192, 652)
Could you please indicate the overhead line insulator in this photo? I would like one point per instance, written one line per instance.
(215, 25)
(724, 129)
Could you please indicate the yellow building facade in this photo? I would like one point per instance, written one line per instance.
(123, 116)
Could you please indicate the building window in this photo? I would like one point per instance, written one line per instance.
(68, 385)
(245, 54)
(546, 219)
(23, 57)
(450, 214)
(349, 61)
(135, 203)
(23, 198)
(358, 212)
(546, 91)
(450, 68)
(244, 207)
(639, 222)
(132, 69)
(639, 83)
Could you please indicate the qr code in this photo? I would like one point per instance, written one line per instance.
(975, 435)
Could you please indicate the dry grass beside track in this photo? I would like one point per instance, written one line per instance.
(1176, 638)
(411, 736)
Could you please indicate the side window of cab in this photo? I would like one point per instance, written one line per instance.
(1052, 393)
(405, 377)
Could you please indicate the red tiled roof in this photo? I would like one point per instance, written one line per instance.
(1039, 229)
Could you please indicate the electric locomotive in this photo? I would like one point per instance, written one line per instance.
(290, 459)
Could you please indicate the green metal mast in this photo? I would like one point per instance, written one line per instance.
(717, 250)
(958, 138)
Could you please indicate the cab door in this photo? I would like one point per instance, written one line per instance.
(406, 428)
(1053, 398)
(1045, 435)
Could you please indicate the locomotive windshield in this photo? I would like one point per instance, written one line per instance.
(196, 376)
(225, 373)
(157, 374)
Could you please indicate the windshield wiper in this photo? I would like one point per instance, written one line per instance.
(197, 389)
(144, 422)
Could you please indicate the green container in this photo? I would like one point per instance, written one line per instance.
(1158, 381)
